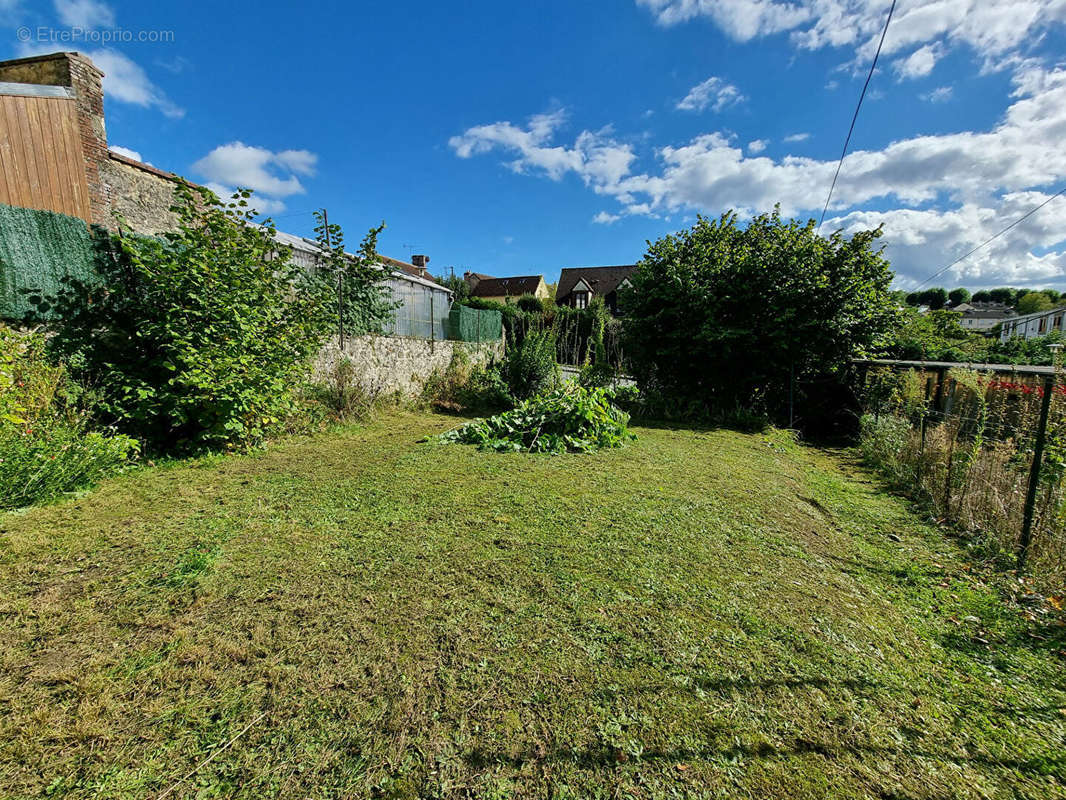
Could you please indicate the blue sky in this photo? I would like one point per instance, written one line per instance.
(521, 138)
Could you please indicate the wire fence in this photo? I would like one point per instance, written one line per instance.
(983, 447)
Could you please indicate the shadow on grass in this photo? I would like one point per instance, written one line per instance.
(599, 756)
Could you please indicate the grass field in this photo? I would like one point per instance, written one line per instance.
(357, 614)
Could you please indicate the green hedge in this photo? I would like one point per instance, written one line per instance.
(38, 249)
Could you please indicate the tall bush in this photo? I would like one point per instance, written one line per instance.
(198, 338)
(530, 367)
(722, 316)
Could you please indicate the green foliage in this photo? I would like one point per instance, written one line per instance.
(46, 445)
(570, 418)
(460, 289)
(935, 298)
(342, 395)
(933, 336)
(365, 302)
(719, 316)
(882, 442)
(530, 367)
(196, 339)
(1032, 302)
(466, 387)
(959, 296)
(529, 303)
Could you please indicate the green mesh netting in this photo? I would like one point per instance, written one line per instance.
(37, 249)
(474, 324)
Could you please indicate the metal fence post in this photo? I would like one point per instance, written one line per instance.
(432, 320)
(1034, 473)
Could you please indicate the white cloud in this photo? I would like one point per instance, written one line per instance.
(756, 146)
(920, 242)
(85, 13)
(271, 176)
(976, 179)
(918, 64)
(606, 218)
(995, 30)
(713, 92)
(796, 137)
(595, 157)
(125, 151)
(126, 81)
(939, 95)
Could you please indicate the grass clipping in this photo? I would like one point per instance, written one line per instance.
(571, 419)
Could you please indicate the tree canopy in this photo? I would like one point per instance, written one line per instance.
(720, 316)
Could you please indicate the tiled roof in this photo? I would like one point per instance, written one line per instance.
(602, 280)
(506, 287)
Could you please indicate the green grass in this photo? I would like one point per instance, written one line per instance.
(699, 614)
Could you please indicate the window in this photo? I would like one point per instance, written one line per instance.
(1058, 323)
(1042, 326)
(581, 299)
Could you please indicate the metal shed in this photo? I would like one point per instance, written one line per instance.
(423, 304)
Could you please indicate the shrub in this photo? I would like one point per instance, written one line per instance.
(46, 446)
(569, 418)
(55, 456)
(529, 303)
(467, 388)
(529, 367)
(342, 395)
(720, 317)
(197, 339)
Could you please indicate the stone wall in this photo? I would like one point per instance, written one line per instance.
(139, 196)
(392, 364)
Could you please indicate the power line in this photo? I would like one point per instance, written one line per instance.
(847, 141)
(992, 238)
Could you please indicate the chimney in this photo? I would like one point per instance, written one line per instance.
(420, 262)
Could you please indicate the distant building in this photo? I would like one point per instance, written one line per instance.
(1033, 326)
(983, 317)
(486, 287)
(578, 285)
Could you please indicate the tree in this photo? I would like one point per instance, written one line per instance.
(720, 317)
(983, 296)
(363, 298)
(197, 338)
(913, 299)
(460, 288)
(1031, 302)
(1003, 295)
(959, 296)
(935, 298)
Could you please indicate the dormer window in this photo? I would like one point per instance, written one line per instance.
(581, 299)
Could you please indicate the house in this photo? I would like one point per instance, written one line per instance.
(982, 317)
(486, 287)
(578, 285)
(1033, 326)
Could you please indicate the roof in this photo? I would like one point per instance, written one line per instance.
(506, 287)
(1037, 314)
(602, 280)
(411, 274)
(987, 313)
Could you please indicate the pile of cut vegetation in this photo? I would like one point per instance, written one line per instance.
(570, 418)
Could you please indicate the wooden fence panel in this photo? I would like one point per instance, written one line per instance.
(41, 161)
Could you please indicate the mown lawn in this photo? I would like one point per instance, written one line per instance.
(360, 615)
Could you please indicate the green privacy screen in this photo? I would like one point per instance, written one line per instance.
(474, 324)
(37, 249)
